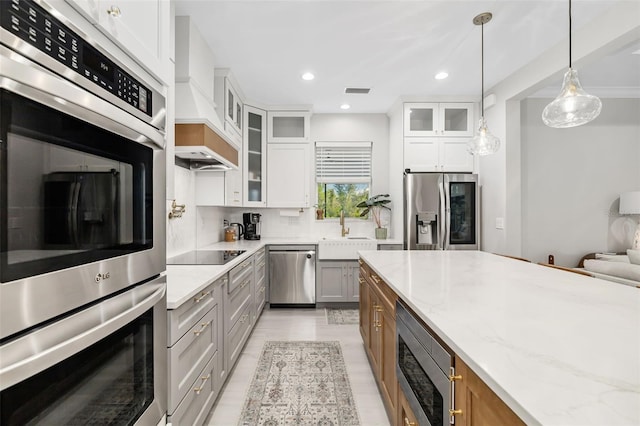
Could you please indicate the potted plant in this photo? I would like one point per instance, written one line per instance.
(375, 205)
(319, 211)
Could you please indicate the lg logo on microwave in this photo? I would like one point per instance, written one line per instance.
(102, 277)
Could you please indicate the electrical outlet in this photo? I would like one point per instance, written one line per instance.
(499, 223)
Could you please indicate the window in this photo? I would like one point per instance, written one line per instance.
(343, 176)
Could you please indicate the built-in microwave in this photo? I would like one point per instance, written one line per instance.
(425, 371)
(82, 170)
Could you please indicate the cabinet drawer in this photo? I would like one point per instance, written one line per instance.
(240, 274)
(195, 406)
(237, 301)
(183, 318)
(259, 256)
(190, 354)
(261, 298)
(237, 336)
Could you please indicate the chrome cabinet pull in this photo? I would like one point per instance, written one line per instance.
(114, 11)
(204, 325)
(244, 283)
(202, 296)
(375, 278)
(204, 380)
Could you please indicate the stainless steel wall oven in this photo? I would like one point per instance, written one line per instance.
(425, 371)
(82, 234)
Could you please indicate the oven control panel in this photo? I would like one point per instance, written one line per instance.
(37, 27)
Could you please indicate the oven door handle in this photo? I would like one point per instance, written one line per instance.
(35, 352)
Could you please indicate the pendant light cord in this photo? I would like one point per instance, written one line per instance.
(482, 69)
(569, 34)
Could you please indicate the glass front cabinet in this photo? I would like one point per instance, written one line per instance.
(254, 165)
(438, 119)
(289, 126)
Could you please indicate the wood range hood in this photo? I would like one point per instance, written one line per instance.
(204, 147)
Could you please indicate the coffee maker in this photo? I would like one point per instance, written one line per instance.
(251, 226)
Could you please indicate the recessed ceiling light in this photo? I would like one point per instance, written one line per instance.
(441, 75)
(345, 106)
(308, 76)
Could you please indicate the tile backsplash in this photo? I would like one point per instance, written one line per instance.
(201, 226)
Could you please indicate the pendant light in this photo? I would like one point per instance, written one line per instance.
(573, 106)
(483, 142)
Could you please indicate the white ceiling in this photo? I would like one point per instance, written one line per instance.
(394, 47)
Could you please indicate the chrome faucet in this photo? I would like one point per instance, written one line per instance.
(344, 231)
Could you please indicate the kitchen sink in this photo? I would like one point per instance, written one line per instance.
(346, 248)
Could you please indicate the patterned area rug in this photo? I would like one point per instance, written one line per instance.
(342, 316)
(300, 383)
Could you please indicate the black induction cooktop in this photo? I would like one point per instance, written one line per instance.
(205, 257)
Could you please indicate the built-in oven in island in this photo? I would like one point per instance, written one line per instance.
(82, 229)
(425, 371)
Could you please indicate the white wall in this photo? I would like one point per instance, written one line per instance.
(198, 226)
(572, 179)
(500, 174)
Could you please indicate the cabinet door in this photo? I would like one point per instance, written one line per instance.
(421, 154)
(405, 414)
(210, 188)
(232, 107)
(289, 173)
(141, 28)
(454, 156)
(420, 119)
(364, 308)
(289, 126)
(254, 158)
(479, 404)
(456, 119)
(388, 379)
(353, 284)
(331, 282)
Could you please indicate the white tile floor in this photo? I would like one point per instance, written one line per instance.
(301, 324)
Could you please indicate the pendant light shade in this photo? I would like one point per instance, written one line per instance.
(573, 106)
(483, 142)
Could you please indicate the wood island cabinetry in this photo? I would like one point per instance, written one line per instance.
(378, 328)
(479, 405)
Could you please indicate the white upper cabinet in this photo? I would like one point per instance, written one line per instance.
(289, 126)
(289, 167)
(141, 28)
(229, 104)
(438, 119)
(438, 155)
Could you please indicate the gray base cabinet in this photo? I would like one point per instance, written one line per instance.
(194, 338)
(205, 337)
(337, 281)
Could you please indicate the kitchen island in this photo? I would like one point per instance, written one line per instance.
(558, 348)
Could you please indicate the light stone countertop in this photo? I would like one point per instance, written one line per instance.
(558, 348)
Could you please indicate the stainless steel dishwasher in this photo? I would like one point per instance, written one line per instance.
(292, 276)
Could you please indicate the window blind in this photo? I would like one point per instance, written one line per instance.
(343, 162)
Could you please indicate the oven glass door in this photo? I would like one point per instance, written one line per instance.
(70, 192)
(110, 382)
(426, 392)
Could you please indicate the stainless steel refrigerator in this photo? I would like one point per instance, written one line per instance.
(441, 211)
